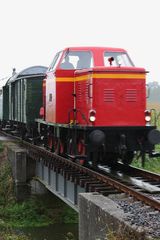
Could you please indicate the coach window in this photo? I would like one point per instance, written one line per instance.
(55, 61)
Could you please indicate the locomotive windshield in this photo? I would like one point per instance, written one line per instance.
(117, 59)
(77, 60)
(55, 61)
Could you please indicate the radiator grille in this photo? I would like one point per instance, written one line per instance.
(131, 95)
(79, 92)
(109, 95)
(82, 92)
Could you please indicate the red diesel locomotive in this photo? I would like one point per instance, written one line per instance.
(94, 107)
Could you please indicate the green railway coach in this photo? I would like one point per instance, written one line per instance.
(22, 96)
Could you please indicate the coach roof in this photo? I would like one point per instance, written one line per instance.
(28, 72)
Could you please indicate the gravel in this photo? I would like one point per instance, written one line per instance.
(140, 215)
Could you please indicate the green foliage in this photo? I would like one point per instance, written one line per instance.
(69, 236)
(33, 212)
(151, 164)
(24, 214)
(12, 236)
(1, 147)
(69, 216)
(6, 184)
(123, 233)
(36, 212)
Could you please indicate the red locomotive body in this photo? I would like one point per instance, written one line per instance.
(114, 96)
(59, 97)
(95, 106)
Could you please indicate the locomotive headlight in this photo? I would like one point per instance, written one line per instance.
(92, 115)
(92, 118)
(147, 116)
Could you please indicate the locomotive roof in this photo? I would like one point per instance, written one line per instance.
(96, 49)
(28, 72)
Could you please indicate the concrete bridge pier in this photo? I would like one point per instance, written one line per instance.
(23, 169)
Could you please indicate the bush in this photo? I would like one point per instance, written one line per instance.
(6, 184)
(1, 147)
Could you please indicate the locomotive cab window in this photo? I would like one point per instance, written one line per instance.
(117, 59)
(77, 60)
(55, 61)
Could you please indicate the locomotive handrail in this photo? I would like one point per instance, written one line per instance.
(74, 120)
(147, 91)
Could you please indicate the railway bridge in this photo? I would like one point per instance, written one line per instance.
(97, 214)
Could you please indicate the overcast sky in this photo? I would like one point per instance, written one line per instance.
(32, 31)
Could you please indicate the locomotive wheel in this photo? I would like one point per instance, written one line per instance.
(50, 143)
(81, 147)
(55, 145)
(60, 147)
(81, 150)
(70, 147)
(128, 158)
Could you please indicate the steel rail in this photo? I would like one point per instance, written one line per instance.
(141, 172)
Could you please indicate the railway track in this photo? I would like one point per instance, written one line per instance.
(144, 181)
(101, 180)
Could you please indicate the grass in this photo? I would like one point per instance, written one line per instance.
(6, 184)
(1, 147)
(24, 214)
(151, 164)
(123, 234)
(12, 236)
(36, 212)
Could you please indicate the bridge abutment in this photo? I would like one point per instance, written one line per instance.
(101, 218)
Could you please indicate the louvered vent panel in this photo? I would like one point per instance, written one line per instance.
(109, 95)
(82, 92)
(86, 91)
(131, 95)
(79, 92)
